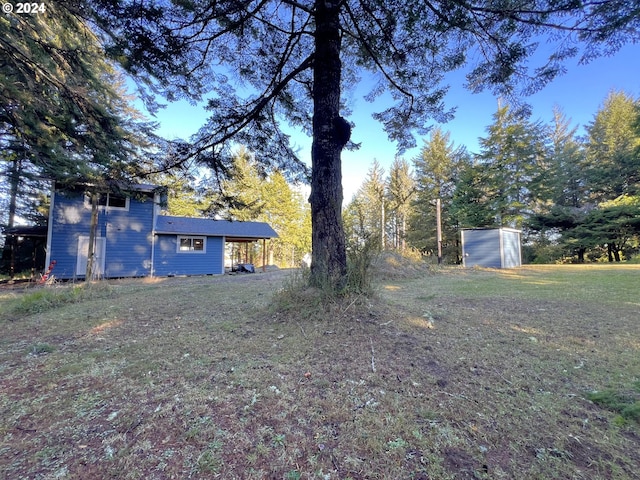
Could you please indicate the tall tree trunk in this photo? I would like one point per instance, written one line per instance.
(616, 252)
(14, 181)
(329, 260)
(92, 238)
(403, 238)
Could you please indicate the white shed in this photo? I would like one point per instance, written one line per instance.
(491, 247)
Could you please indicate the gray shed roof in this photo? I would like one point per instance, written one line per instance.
(233, 231)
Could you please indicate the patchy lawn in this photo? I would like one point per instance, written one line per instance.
(458, 374)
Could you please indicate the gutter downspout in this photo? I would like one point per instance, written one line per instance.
(156, 203)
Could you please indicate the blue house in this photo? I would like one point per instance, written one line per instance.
(134, 239)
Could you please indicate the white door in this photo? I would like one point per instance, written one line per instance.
(98, 259)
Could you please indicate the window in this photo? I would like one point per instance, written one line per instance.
(191, 245)
(109, 200)
(114, 201)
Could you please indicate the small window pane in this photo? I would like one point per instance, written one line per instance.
(117, 201)
(185, 244)
(198, 244)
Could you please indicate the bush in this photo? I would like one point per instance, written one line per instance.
(359, 260)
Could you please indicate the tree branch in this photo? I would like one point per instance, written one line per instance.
(259, 104)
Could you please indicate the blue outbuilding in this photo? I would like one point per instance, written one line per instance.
(491, 247)
(132, 238)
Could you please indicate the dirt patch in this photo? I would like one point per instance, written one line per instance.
(462, 465)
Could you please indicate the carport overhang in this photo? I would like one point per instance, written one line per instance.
(246, 241)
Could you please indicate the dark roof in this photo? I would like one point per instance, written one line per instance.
(124, 186)
(233, 231)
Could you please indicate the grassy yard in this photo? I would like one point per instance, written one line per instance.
(532, 373)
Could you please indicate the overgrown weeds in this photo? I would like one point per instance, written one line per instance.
(298, 294)
(360, 257)
(44, 298)
(366, 265)
(298, 297)
(626, 403)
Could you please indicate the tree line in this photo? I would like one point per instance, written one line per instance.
(575, 197)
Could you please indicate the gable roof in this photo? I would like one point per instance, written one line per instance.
(233, 231)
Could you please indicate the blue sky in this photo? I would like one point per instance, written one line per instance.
(579, 93)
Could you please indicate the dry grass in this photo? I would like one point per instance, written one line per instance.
(451, 375)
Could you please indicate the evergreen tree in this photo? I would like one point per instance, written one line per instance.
(401, 190)
(471, 203)
(251, 196)
(437, 167)
(559, 193)
(62, 105)
(512, 152)
(241, 196)
(288, 213)
(366, 214)
(612, 229)
(564, 178)
(613, 150)
(592, 198)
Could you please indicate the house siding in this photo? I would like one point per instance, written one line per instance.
(168, 261)
(127, 234)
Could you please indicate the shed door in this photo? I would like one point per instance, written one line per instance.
(511, 249)
(83, 252)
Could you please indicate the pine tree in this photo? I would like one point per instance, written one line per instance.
(613, 150)
(251, 196)
(559, 194)
(62, 104)
(366, 215)
(401, 189)
(438, 167)
(510, 155)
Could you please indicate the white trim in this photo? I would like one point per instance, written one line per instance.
(107, 207)
(224, 255)
(47, 260)
(99, 251)
(154, 218)
(464, 258)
